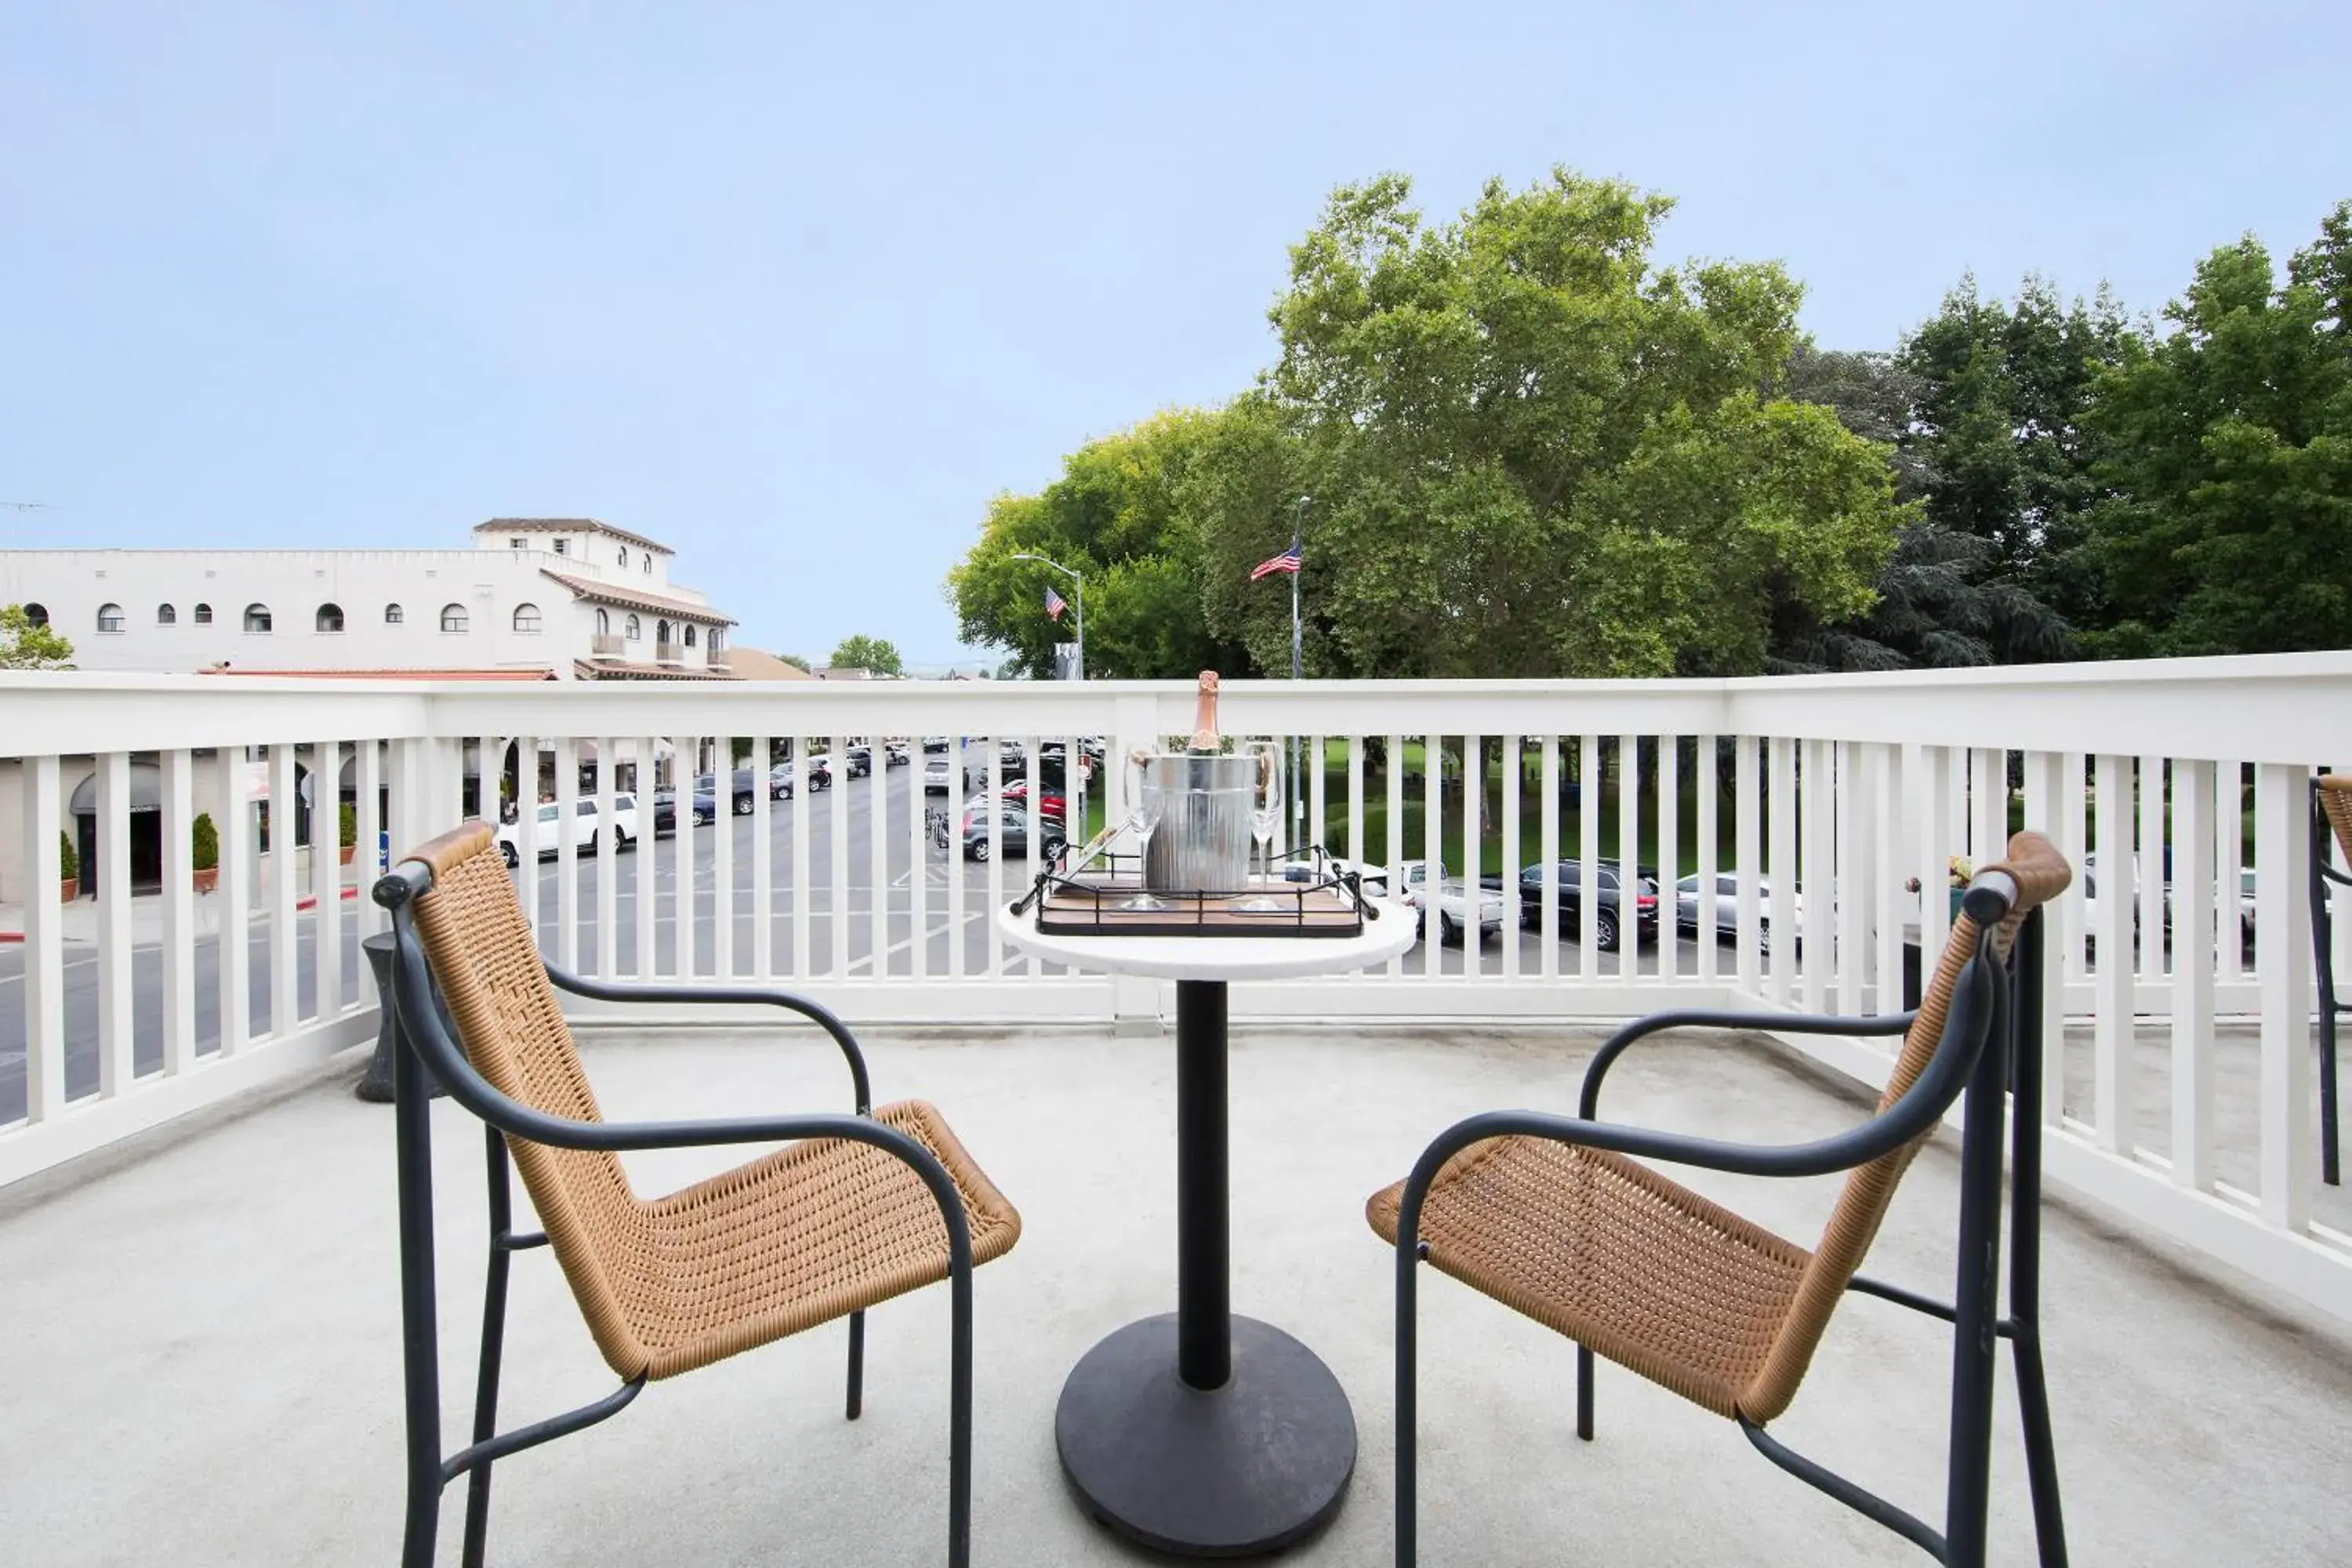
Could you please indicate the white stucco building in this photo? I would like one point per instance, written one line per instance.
(563, 598)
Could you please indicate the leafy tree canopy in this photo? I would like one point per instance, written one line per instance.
(27, 645)
(861, 652)
(2229, 446)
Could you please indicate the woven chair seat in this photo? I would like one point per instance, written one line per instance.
(1629, 1263)
(812, 1232)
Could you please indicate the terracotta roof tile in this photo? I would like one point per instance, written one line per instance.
(596, 591)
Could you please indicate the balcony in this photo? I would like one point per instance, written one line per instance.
(669, 653)
(605, 645)
(199, 1217)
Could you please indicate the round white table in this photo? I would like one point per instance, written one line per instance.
(1199, 1432)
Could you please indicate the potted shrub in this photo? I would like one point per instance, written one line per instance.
(69, 870)
(347, 829)
(205, 841)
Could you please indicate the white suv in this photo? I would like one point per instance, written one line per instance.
(583, 829)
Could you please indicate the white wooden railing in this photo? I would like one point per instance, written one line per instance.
(2183, 1092)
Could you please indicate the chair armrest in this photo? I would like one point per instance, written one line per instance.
(1978, 1010)
(420, 1026)
(1589, 1102)
(823, 1017)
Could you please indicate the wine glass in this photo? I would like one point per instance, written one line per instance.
(1266, 810)
(1143, 816)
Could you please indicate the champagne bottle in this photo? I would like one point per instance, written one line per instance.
(1205, 717)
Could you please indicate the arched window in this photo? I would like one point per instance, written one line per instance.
(526, 617)
(625, 555)
(393, 615)
(603, 623)
(661, 632)
(647, 563)
(713, 640)
(256, 617)
(165, 616)
(690, 637)
(109, 618)
(37, 615)
(453, 617)
(202, 614)
(330, 618)
(634, 629)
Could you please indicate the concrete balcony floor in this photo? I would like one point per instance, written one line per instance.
(202, 1357)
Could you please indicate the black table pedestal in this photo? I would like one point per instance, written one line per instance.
(1201, 1433)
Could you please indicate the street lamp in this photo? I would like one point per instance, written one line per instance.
(1078, 598)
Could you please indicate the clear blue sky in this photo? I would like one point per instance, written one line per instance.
(799, 293)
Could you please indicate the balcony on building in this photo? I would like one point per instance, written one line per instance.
(200, 1275)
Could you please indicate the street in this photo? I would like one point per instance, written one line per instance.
(837, 901)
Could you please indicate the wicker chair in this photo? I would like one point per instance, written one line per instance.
(1547, 1215)
(864, 1208)
(2332, 794)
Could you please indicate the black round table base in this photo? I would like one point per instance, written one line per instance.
(1235, 1471)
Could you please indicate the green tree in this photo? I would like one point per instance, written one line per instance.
(1999, 421)
(1532, 453)
(2228, 444)
(795, 660)
(878, 655)
(1121, 514)
(1942, 598)
(27, 645)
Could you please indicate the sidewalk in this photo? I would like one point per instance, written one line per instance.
(81, 923)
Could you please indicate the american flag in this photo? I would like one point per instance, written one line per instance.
(1285, 561)
(1055, 604)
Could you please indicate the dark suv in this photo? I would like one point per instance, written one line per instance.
(1608, 917)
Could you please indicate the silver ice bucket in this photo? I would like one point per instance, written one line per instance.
(1202, 841)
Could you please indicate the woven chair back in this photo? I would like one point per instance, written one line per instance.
(512, 1028)
(2335, 800)
(2040, 874)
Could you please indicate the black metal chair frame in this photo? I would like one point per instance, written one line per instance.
(431, 1051)
(2331, 1005)
(1990, 1052)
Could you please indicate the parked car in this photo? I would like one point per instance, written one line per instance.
(859, 762)
(2091, 895)
(1608, 917)
(1726, 907)
(745, 785)
(1051, 804)
(894, 753)
(1454, 902)
(548, 834)
(936, 743)
(665, 812)
(939, 778)
(1012, 835)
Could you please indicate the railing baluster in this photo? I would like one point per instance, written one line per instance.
(234, 948)
(367, 778)
(764, 869)
(2151, 876)
(179, 902)
(110, 878)
(722, 859)
(877, 841)
(567, 856)
(1547, 916)
(1709, 932)
(1318, 822)
(1935, 848)
(685, 763)
(1894, 908)
(1433, 852)
(1819, 890)
(2230, 858)
(1588, 856)
(285, 849)
(2289, 1161)
(45, 961)
(327, 876)
(1670, 853)
(645, 911)
(802, 890)
(1784, 917)
(1748, 851)
(1858, 877)
(919, 861)
(1629, 858)
(2113, 1098)
(1474, 791)
(1356, 799)
(1394, 768)
(995, 794)
(2195, 948)
(1509, 856)
(2055, 811)
(609, 859)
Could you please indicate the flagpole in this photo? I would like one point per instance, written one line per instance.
(1297, 525)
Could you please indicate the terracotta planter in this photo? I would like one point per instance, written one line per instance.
(69, 890)
(205, 880)
(349, 850)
